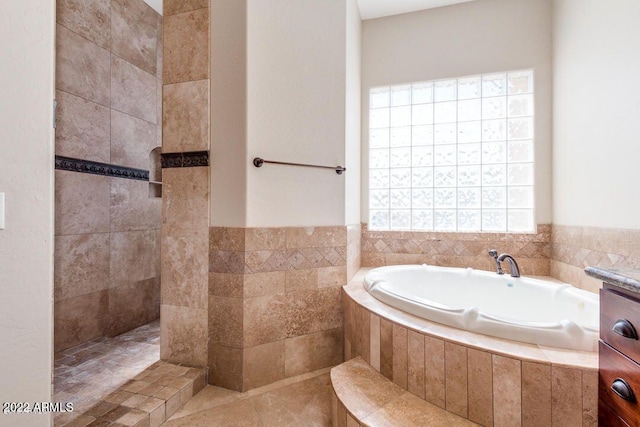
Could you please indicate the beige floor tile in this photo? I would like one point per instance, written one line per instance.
(305, 403)
(209, 398)
(302, 400)
(241, 413)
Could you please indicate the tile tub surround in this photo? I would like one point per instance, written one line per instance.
(560, 251)
(574, 248)
(274, 293)
(487, 380)
(107, 244)
(532, 251)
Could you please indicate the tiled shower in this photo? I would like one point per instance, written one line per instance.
(107, 214)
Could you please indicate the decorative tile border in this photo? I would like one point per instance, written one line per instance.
(97, 168)
(188, 159)
(532, 250)
(262, 250)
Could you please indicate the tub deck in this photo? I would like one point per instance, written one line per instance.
(485, 379)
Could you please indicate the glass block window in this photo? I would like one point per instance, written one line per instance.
(453, 155)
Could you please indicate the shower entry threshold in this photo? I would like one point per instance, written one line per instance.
(120, 380)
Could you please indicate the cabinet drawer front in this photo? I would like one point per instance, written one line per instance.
(623, 314)
(606, 416)
(615, 366)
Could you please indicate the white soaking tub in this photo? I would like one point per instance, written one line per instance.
(521, 309)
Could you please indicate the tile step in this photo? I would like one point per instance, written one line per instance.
(364, 397)
(147, 400)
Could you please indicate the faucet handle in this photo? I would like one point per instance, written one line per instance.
(493, 253)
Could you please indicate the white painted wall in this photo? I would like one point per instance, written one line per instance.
(155, 4)
(296, 78)
(352, 111)
(285, 88)
(596, 113)
(465, 39)
(26, 176)
(370, 9)
(228, 113)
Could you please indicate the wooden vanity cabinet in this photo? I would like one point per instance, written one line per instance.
(619, 357)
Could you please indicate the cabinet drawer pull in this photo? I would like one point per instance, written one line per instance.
(624, 328)
(622, 389)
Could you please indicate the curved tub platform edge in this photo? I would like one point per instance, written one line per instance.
(482, 378)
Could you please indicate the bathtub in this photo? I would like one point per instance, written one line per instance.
(521, 309)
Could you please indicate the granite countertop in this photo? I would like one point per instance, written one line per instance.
(626, 278)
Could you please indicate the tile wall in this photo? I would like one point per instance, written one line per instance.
(574, 248)
(559, 251)
(532, 251)
(274, 301)
(107, 241)
(185, 205)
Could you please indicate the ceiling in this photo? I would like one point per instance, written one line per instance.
(370, 9)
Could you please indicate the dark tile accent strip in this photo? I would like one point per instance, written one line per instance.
(188, 159)
(195, 158)
(96, 168)
(171, 160)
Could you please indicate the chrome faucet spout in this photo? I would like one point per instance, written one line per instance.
(514, 270)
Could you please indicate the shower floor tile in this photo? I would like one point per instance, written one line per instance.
(89, 372)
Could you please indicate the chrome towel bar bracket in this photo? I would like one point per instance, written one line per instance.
(258, 162)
